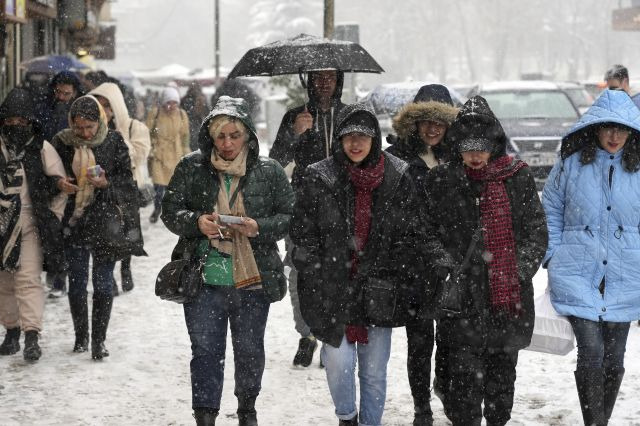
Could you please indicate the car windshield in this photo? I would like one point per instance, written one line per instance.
(579, 97)
(531, 104)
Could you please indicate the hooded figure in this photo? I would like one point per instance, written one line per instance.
(53, 112)
(591, 200)
(488, 197)
(242, 269)
(305, 137)
(31, 234)
(421, 128)
(355, 232)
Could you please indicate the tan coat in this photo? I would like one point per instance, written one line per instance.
(135, 133)
(169, 142)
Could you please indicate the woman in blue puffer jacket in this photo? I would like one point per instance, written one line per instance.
(592, 202)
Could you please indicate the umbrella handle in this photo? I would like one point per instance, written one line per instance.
(302, 81)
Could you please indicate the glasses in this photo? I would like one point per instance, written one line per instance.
(617, 131)
(64, 92)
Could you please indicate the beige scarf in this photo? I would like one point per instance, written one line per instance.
(245, 269)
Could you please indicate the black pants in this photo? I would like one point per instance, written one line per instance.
(479, 375)
(157, 200)
(419, 349)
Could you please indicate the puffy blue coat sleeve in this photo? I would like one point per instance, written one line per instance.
(553, 201)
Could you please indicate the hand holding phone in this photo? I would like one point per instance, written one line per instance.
(226, 219)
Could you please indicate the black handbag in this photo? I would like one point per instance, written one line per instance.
(379, 298)
(448, 295)
(180, 280)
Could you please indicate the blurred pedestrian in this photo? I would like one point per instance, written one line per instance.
(591, 199)
(194, 102)
(243, 272)
(305, 137)
(136, 137)
(169, 127)
(30, 213)
(617, 78)
(354, 230)
(487, 235)
(101, 202)
(421, 127)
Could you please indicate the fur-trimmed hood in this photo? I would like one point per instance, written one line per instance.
(405, 121)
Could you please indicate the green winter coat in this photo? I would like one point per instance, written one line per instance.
(268, 199)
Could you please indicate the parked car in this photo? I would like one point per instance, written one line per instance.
(387, 99)
(579, 95)
(535, 115)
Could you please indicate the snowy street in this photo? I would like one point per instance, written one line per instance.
(146, 381)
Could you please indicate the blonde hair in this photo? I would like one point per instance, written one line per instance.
(219, 121)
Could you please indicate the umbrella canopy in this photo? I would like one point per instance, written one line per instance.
(390, 97)
(304, 53)
(53, 64)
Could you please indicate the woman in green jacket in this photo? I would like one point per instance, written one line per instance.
(242, 270)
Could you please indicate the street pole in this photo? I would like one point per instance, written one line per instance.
(216, 30)
(328, 18)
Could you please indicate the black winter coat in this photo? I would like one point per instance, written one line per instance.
(322, 231)
(453, 216)
(113, 157)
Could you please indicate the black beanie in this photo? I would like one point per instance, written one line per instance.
(433, 92)
(358, 122)
(85, 107)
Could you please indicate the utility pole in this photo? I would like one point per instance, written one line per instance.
(216, 31)
(328, 18)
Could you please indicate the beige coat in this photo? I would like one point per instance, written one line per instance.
(169, 142)
(135, 133)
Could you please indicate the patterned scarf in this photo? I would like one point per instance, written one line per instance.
(497, 227)
(12, 179)
(364, 181)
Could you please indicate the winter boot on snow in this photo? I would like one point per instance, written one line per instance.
(125, 275)
(11, 343)
(350, 422)
(306, 347)
(612, 381)
(32, 351)
(423, 416)
(99, 323)
(205, 416)
(590, 385)
(80, 317)
(247, 415)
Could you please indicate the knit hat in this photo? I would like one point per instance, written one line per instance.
(86, 107)
(433, 92)
(170, 94)
(359, 122)
(476, 144)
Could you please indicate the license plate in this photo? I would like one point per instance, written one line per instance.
(539, 159)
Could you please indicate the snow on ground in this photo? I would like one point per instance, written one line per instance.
(146, 380)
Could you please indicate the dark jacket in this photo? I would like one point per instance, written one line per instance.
(311, 146)
(268, 199)
(453, 216)
(322, 230)
(52, 118)
(42, 188)
(113, 157)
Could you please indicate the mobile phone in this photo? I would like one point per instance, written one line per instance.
(94, 171)
(225, 218)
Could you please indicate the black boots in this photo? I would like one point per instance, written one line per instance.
(423, 415)
(205, 416)
(350, 422)
(612, 381)
(11, 343)
(80, 317)
(99, 323)
(306, 347)
(590, 384)
(125, 275)
(247, 415)
(32, 351)
(154, 216)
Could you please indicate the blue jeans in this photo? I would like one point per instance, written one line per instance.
(340, 365)
(246, 311)
(101, 275)
(601, 344)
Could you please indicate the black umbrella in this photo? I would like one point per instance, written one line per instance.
(304, 53)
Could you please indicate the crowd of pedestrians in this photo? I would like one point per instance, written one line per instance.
(441, 233)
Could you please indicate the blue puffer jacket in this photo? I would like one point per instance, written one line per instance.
(593, 217)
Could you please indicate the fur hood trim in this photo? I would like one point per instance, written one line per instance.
(404, 122)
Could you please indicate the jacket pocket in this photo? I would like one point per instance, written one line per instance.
(567, 260)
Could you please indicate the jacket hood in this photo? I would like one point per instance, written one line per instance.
(343, 120)
(612, 106)
(476, 120)
(337, 94)
(112, 93)
(19, 103)
(66, 77)
(405, 122)
(232, 107)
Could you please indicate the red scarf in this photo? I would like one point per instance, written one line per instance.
(497, 227)
(364, 181)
